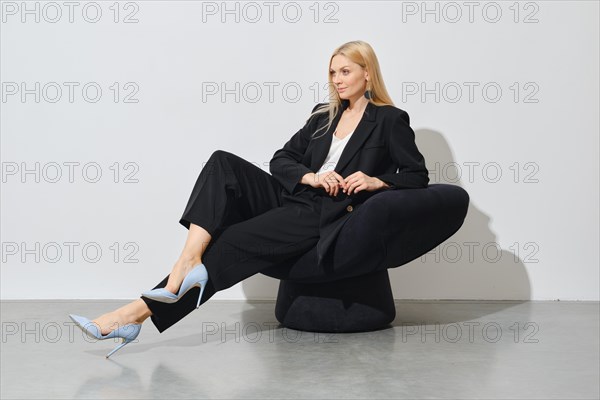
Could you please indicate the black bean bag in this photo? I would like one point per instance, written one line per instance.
(351, 291)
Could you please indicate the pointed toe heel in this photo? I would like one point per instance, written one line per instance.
(127, 332)
(198, 276)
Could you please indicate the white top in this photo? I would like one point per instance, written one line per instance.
(335, 151)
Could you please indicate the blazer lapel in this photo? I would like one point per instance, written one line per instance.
(361, 133)
(324, 144)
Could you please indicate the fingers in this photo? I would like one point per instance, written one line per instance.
(358, 182)
(339, 182)
(354, 186)
(325, 184)
(331, 183)
(350, 183)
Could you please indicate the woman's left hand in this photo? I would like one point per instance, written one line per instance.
(359, 181)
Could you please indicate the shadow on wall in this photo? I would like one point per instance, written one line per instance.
(469, 265)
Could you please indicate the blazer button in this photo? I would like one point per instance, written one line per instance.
(349, 208)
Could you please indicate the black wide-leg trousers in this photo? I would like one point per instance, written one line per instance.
(253, 227)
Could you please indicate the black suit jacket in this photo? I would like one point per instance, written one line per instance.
(382, 146)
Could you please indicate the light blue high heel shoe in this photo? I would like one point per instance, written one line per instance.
(127, 332)
(198, 276)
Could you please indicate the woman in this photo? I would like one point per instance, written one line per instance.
(242, 220)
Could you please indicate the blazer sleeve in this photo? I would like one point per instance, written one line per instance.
(412, 172)
(286, 165)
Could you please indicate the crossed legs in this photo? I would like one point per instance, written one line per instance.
(228, 190)
(137, 311)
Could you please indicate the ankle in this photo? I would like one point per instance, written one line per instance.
(141, 318)
(190, 260)
(136, 312)
(183, 265)
(143, 311)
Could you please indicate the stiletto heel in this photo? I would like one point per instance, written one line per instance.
(127, 332)
(118, 347)
(198, 276)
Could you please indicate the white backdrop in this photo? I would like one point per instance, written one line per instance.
(110, 110)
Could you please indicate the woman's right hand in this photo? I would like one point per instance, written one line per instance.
(331, 181)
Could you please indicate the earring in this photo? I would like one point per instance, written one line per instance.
(368, 94)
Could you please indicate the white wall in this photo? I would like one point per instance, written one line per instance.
(533, 231)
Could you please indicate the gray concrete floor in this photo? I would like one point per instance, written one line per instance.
(236, 349)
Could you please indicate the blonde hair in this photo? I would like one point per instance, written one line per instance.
(362, 54)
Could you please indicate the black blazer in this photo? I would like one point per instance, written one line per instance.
(382, 146)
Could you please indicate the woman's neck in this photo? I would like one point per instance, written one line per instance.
(357, 106)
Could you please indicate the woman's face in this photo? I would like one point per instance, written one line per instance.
(348, 78)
